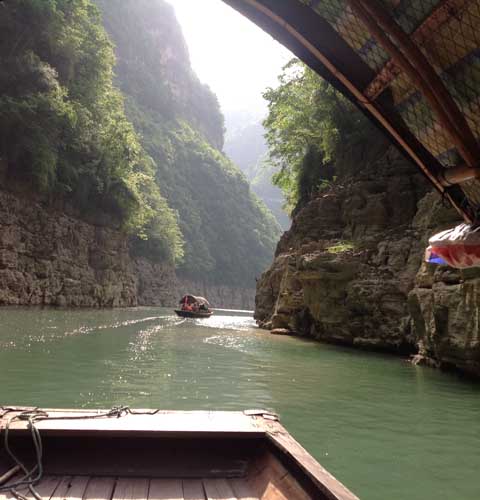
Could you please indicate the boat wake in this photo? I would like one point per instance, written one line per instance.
(118, 324)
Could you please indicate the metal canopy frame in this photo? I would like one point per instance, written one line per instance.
(301, 26)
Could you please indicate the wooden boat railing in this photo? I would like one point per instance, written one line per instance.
(164, 455)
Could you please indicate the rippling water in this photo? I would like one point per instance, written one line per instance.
(383, 427)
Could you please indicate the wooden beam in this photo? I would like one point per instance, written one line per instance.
(442, 14)
(414, 63)
(162, 423)
(286, 444)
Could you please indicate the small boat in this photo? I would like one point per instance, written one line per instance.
(194, 307)
(125, 454)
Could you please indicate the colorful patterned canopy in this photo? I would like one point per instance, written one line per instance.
(413, 66)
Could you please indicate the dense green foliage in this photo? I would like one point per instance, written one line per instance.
(229, 235)
(63, 130)
(65, 134)
(308, 122)
(159, 77)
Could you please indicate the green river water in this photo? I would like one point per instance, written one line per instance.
(386, 429)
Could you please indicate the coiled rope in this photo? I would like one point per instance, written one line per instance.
(33, 476)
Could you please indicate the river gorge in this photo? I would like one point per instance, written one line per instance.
(126, 182)
(385, 428)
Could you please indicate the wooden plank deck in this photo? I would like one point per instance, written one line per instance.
(169, 455)
(101, 488)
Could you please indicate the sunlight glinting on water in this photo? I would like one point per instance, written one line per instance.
(385, 428)
(225, 322)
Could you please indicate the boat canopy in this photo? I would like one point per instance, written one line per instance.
(411, 66)
(192, 299)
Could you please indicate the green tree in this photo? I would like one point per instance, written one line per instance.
(63, 127)
(308, 121)
(229, 235)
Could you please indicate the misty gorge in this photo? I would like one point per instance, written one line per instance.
(156, 150)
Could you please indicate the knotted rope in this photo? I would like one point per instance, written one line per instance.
(33, 476)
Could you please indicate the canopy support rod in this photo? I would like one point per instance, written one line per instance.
(412, 61)
(458, 174)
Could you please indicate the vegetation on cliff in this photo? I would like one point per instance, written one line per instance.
(229, 235)
(70, 132)
(308, 122)
(63, 129)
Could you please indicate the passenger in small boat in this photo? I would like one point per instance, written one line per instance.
(186, 307)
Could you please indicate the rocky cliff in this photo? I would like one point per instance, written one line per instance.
(50, 258)
(229, 235)
(350, 270)
(105, 124)
(444, 304)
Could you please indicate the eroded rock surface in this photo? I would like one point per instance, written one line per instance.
(445, 303)
(350, 269)
(50, 258)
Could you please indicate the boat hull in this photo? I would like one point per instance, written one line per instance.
(153, 454)
(192, 314)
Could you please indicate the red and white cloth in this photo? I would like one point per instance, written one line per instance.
(458, 247)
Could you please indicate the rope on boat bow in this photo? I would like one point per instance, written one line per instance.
(33, 476)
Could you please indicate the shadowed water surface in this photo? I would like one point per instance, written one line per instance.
(384, 428)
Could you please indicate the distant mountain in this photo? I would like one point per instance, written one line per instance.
(245, 145)
(229, 234)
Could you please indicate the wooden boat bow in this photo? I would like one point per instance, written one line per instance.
(244, 454)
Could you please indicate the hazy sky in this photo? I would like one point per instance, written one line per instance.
(228, 52)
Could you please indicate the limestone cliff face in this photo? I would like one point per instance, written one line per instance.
(155, 283)
(344, 270)
(445, 303)
(50, 258)
(348, 270)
